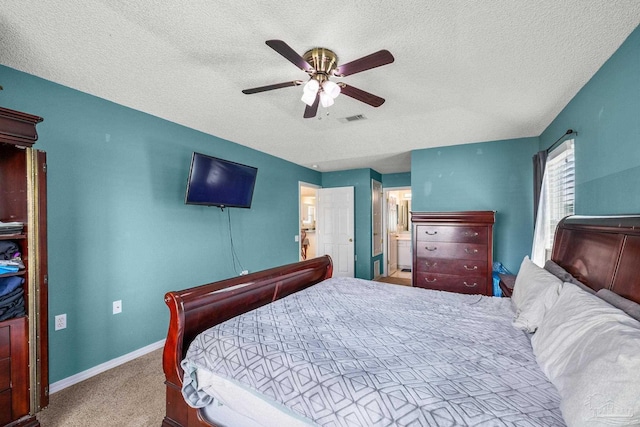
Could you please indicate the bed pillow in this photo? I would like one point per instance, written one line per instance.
(630, 307)
(589, 351)
(565, 276)
(534, 292)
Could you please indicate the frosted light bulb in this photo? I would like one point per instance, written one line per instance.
(331, 88)
(326, 100)
(312, 86)
(310, 91)
(308, 97)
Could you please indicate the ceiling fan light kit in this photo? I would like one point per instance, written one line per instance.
(321, 63)
(328, 91)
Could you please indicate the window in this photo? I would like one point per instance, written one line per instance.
(557, 199)
(561, 169)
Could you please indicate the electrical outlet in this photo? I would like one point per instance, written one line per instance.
(61, 321)
(117, 307)
(244, 272)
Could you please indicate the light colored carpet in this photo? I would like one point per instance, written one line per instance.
(132, 394)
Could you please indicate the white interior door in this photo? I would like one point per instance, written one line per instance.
(335, 228)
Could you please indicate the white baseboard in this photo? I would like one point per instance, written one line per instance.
(81, 376)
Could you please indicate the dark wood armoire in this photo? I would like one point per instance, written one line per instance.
(24, 375)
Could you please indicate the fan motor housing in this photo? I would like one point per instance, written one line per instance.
(324, 61)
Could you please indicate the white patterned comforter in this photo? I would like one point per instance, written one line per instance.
(351, 352)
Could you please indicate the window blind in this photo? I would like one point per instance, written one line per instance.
(561, 186)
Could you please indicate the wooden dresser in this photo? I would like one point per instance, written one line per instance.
(453, 251)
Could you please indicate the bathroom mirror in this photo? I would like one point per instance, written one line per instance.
(404, 207)
(308, 212)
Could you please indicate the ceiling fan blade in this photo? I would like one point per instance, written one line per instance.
(377, 59)
(285, 50)
(361, 95)
(311, 110)
(271, 87)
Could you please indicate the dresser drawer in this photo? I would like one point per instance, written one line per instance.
(5, 374)
(472, 251)
(443, 233)
(460, 267)
(445, 282)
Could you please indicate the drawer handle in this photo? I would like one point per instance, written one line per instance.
(470, 234)
(430, 265)
(470, 286)
(431, 234)
(430, 281)
(475, 267)
(435, 248)
(471, 251)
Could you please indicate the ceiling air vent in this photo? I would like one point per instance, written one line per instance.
(352, 118)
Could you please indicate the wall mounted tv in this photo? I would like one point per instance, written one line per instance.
(217, 182)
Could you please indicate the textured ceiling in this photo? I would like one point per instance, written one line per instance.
(464, 70)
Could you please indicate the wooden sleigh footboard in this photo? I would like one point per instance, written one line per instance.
(197, 309)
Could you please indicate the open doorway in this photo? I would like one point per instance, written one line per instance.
(307, 220)
(397, 235)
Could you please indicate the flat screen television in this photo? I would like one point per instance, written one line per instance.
(217, 182)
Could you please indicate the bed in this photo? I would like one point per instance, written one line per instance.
(481, 372)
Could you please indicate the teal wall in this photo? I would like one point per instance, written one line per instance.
(393, 180)
(606, 115)
(118, 225)
(360, 179)
(484, 176)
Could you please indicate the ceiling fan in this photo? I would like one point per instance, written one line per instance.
(320, 64)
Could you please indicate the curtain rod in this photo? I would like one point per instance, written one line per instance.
(568, 132)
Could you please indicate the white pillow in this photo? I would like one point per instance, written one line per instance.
(534, 292)
(591, 352)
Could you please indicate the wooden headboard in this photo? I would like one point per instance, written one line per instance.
(601, 252)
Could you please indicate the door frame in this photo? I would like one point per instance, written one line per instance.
(373, 216)
(300, 185)
(385, 227)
